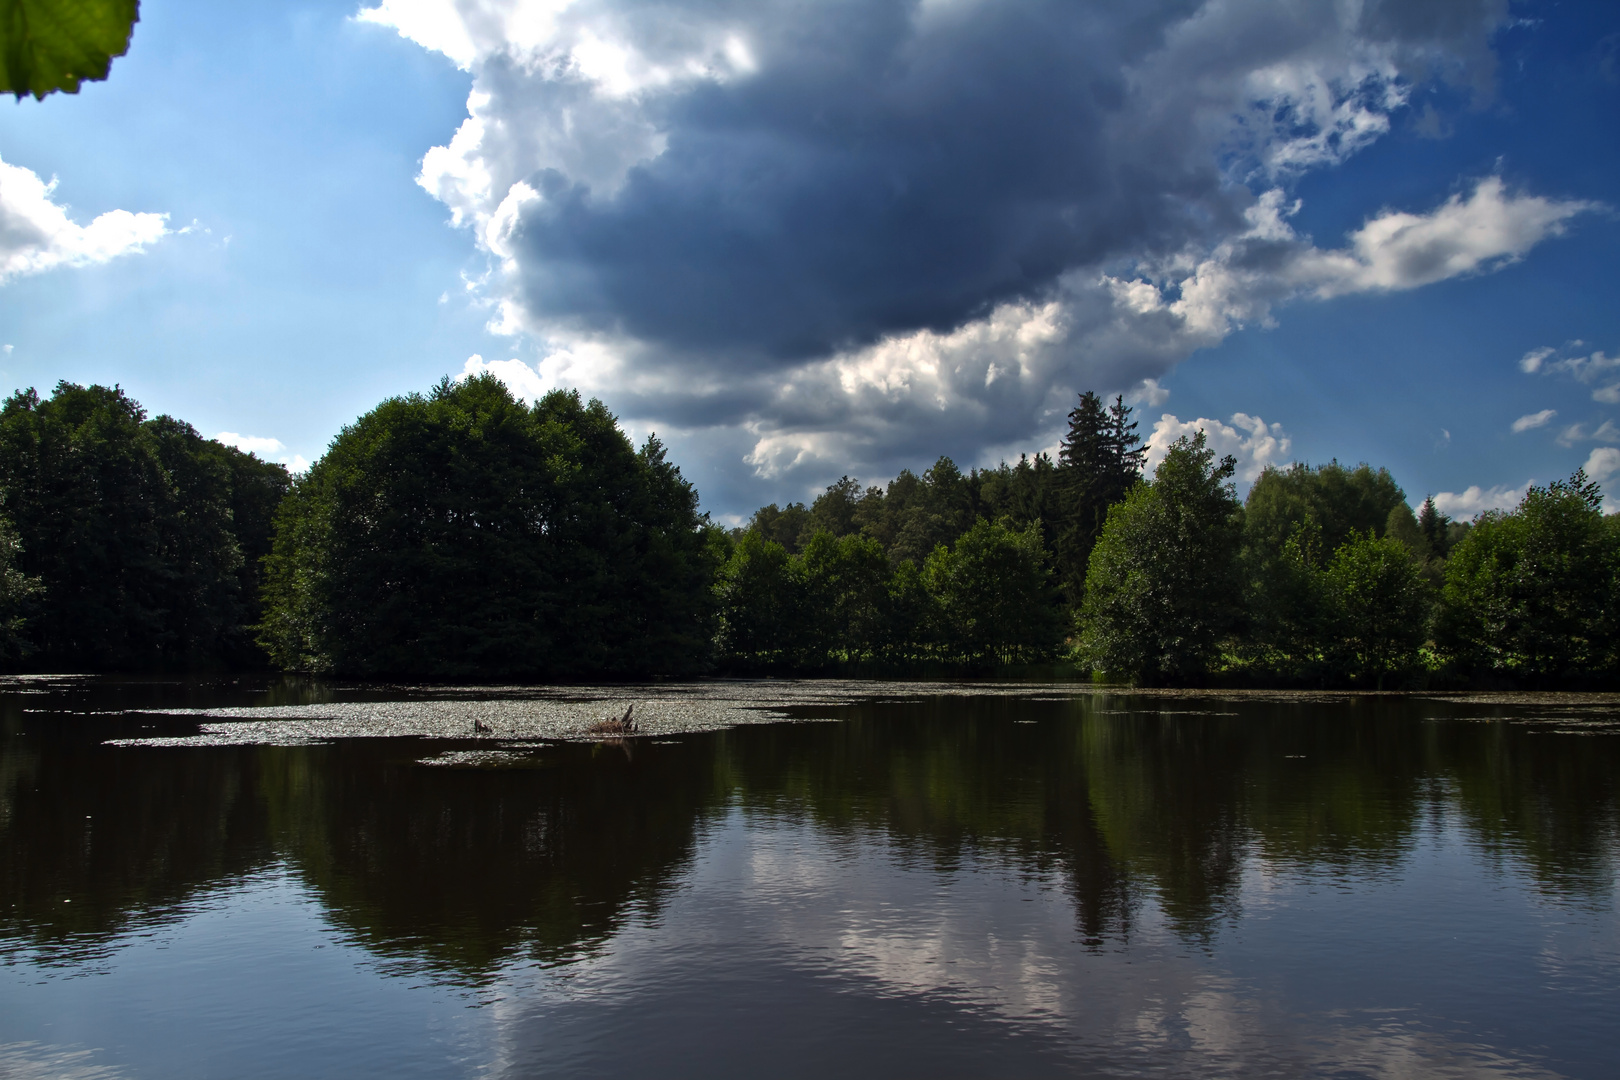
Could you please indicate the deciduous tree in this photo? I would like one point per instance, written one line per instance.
(143, 535)
(460, 534)
(1162, 589)
(1530, 593)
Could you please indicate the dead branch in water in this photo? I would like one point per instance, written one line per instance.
(622, 725)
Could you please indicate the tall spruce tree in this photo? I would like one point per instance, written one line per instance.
(1100, 461)
(1434, 526)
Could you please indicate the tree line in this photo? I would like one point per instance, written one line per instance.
(1322, 576)
(463, 534)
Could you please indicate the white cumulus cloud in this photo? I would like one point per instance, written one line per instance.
(1588, 368)
(1149, 393)
(1475, 500)
(1533, 420)
(250, 444)
(36, 233)
(264, 447)
(1398, 250)
(1531, 362)
(1603, 464)
(1250, 439)
(524, 381)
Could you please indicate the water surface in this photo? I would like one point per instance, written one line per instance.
(289, 879)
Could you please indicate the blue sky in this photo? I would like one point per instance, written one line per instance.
(799, 241)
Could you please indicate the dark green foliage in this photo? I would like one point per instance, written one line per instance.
(927, 512)
(936, 543)
(1029, 492)
(1402, 525)
(1325, 578)
(143, 534)
(1289, 609)
(1069, 500)
(917, 629)
(462, 535)
(49, 45)
(833, 512)
(846, 585)
(1163, 587)
(18, 596)
(1294, 520)
(1342, 501)
(1531, 594)
(995, 597)
(831, 603)
(1433, 525)
(1061, 505)
(1378, 608)
(1100, 462)
(986, 599)
(762, 603)
(780, 525)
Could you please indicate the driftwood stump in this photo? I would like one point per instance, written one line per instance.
(622, 725)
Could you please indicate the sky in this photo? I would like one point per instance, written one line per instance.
(801, 240)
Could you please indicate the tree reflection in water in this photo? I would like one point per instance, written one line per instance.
(460, 871)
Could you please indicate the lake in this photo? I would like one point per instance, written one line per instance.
(285, 878)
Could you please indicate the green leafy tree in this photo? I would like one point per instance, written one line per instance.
(460, 534)
(1530, 593)
(833, 511)
(1293, 519)
(1288, 607)
(995, 595)
(788, 525)
(929, 510)
(1379, 604)
(916, 623)
(763, 606)
(1163, 587)
(847, 584)
(50, 45)
(1402, 525)
(18, 596)
(1343, 501)
(138, 530)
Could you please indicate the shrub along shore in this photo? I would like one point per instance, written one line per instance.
(461, 534)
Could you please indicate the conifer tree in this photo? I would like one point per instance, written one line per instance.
(1433, 524)
(1100, 461)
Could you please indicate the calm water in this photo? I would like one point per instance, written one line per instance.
(240, 880)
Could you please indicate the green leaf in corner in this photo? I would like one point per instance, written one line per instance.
(48, 45)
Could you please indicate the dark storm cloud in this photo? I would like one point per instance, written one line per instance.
(804, 238)
(894, 166)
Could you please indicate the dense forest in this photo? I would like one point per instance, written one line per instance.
(1323, 576)
(127, 543)
(464, 534)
